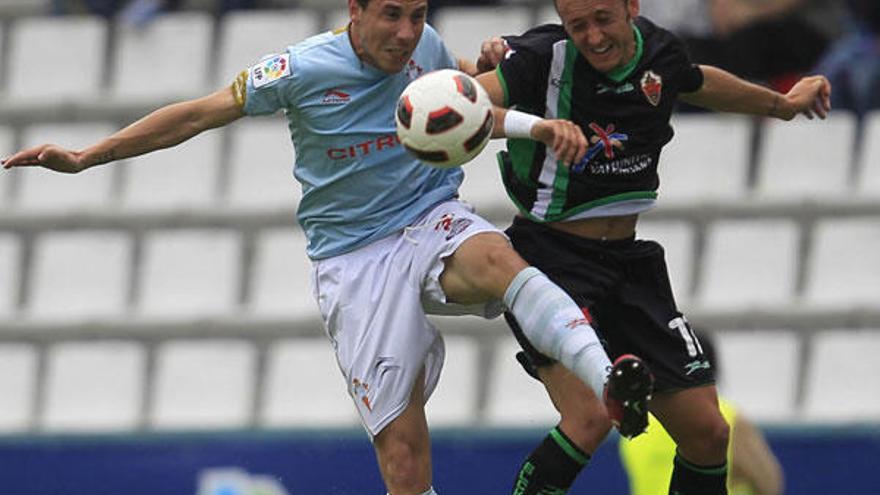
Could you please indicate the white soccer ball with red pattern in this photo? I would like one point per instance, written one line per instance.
(444, 118)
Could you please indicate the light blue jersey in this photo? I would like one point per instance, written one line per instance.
(359, 183)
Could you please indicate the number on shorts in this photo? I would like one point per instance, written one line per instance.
(693, 345)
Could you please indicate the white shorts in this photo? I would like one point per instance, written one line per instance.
(374, 302)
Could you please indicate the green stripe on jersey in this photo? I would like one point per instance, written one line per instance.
(503, 82)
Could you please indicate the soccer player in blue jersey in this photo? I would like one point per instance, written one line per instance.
(388, 239)
(617, 76)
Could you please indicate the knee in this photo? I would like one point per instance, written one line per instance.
(500, 259)
(587, 426)
(707, 443)
(405, 465)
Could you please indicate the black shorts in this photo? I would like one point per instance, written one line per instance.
(623, 288)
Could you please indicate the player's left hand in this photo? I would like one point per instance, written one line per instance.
(564, 137)
(811, 96)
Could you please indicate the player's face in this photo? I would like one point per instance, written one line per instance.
(601, 30)
(386, 32)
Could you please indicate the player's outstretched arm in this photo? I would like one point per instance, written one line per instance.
(166, 127)
(724, 92)
(564, 137)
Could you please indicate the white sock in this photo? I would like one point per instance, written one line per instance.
(556, 326)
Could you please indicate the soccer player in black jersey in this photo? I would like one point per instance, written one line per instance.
(617, 76)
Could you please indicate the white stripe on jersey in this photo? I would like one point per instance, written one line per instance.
(548, 171)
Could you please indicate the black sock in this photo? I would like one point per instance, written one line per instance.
(552, 467)
(690, 479)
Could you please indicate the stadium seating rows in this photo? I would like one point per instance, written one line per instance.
(756, 217)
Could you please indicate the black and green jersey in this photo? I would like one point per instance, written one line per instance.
(624, 114)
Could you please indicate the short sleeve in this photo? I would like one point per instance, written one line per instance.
(265, 87)
(688, 75)
(523, 71)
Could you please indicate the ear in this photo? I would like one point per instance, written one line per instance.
(354, 10)
(633, 8)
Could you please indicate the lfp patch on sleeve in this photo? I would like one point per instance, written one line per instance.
(270, 69)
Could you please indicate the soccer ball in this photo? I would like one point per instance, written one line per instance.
(444, 118)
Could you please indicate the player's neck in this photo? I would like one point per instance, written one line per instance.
(631, 57)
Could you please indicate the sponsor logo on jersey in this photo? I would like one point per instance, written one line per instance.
(335, 96)
(558, 82)
(625, 88)
(413, 70)
(270, 69)
(451, 225)
(603, 140)
(652, 87)
(363, 148)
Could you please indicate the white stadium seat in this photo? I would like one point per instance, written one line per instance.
(304, 387)
(689, 17)
(18, 367)
(165, 59)
(749, 264)
(707, 160)
(868, 183)
(246, 36)
(6, 149)
(465, 28)
(514, 398)
(203, 385)
(759, 372)
(337, 18)
(190, 273)
(547, 15)
(842, 381)
(42, 190)
(281, 284)
(454, 401)
(806, 159)
(79, 275)
(483, 187)
(94, 386)
(56, 59)
(844, 268)
(185, 176)
(261, 166)
(677, 239)
(14, 8)
(10, 253)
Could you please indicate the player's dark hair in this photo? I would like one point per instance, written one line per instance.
(556, 4)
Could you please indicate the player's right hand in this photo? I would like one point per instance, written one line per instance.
(491, 54)
(48, 156)
(811, 96)
(564, 137)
